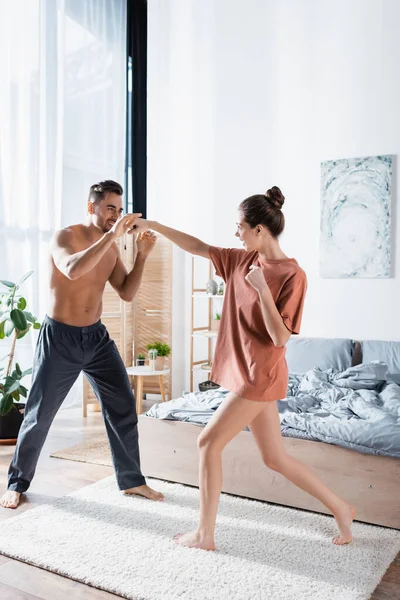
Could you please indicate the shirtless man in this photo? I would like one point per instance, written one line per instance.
(73, 339)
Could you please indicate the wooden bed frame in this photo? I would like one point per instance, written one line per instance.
(168, 451)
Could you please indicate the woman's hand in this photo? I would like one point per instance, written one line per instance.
(256, 278)
(142, 225)
(125, 224)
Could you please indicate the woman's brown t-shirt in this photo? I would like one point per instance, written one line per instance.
(246, 361)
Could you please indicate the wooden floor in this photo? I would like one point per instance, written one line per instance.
(55, 478)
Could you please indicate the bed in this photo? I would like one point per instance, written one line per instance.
(366, 472)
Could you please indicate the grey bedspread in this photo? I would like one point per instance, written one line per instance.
(356, 408)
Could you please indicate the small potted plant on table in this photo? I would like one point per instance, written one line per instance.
(140, 360)
(215, 322)
(163, 351)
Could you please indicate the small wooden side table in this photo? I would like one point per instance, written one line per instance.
(145, 371)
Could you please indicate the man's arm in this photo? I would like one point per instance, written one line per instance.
(127, 284)
(75, 264)
(183, 240)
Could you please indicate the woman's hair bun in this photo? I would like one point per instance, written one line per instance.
(275, 197)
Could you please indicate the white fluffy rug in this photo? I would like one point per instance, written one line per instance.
(265, 552)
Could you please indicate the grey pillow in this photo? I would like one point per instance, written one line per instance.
(387, 352)
(303, 354)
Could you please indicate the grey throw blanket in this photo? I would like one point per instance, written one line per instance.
(356, 408)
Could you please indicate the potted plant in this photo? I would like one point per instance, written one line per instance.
(163, 351)
(140, 360)
(215, 322)
(15, 323)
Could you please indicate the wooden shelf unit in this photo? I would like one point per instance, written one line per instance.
(204, 331)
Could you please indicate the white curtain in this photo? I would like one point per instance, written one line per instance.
(62, 126)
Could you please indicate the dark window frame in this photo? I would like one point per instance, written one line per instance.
(136, 109)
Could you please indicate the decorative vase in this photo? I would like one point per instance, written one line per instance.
(212, 287)
(153, 360)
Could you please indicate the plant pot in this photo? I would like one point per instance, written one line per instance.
(140, 362)
(215, 324)
(160, 363)
(208, 385)
(10, 425)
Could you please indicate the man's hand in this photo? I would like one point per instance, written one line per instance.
(145, 242)
(256, 278)
(126, 224)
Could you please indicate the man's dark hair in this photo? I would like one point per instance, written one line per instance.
(98, 191)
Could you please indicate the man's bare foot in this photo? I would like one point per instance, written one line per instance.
(146, 492)
(344, 517)
(195, 540)
(10, 499)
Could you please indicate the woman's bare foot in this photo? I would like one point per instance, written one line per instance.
(195, 540)
(10, 499)
(146, 492)
(344, 517)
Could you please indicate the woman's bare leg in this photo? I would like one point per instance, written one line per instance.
(266, 430)
(231, 417)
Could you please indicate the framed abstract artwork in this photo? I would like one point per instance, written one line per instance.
(356, 217)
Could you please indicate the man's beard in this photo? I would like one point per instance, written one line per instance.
(108, 225)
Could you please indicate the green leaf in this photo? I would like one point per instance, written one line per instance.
(16, 395)
(21, 303)
(162, 349)
(23, 391)
(24, 278)
(27, 372)
(8, 328)
(6, 404)
(18, 369)
(22, 334)
(29, 317)
(19, 320)
(15, 375)
(11, 385)
(2, 334)
(36, 325)
(8, 284)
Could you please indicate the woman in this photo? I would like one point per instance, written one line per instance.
(263, 307)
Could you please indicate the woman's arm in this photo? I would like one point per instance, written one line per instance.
(183, 240)
(272, 318)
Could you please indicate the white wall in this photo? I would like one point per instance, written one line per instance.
(243, 96)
